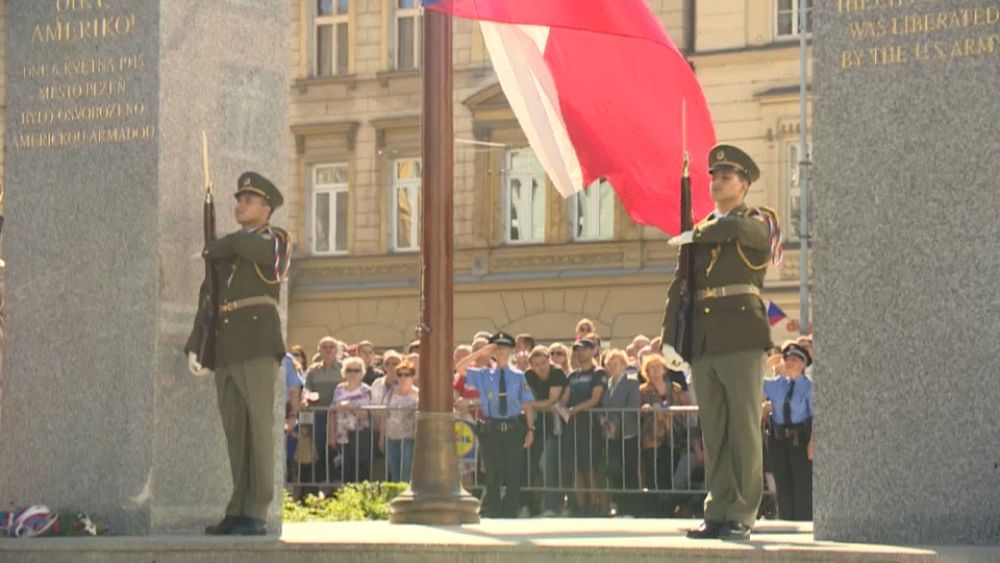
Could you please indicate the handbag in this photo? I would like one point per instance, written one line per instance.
(305, 450)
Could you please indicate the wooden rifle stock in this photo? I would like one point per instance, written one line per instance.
(206, 346)
(210, 291)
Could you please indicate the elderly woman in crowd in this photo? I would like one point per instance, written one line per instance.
(350, 428)
(399, 425)
(621, 426)
(657, 394)
(384, 386)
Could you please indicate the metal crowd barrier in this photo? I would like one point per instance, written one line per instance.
(619, 451)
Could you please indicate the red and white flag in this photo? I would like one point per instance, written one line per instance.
(600, 90)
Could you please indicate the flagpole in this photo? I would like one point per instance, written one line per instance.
(804, 163)
(435, 495)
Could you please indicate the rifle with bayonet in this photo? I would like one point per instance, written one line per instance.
(685, 261)
(685, 272)
(210, 290)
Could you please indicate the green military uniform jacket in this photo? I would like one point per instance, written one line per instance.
(734, 249)
(245, 263)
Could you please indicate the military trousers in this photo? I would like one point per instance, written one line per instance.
(246, 403)
(729, 392)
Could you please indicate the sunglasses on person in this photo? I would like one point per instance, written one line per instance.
(353, 370)
(557, 353)
(405, 373)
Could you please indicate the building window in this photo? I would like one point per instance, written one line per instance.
(406, 175)
(593, 212)
(333, 47)
(787, 18)
(409, 34)
(792, 228)
(329, 209)
(524, 209)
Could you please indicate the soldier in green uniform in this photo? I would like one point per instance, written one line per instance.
(250, 264)
(730, 336)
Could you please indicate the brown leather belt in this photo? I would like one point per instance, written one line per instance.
(727, 291)
(258, 301)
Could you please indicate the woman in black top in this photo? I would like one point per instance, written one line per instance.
(582, 437)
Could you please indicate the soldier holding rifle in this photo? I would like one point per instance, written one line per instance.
(715, 320)
(238, 311)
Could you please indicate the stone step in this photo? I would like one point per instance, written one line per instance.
(556, 540)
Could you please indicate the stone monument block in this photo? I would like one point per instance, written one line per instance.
(106, 104)
(907, 263)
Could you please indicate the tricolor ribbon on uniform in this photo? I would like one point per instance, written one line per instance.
(775, 238)
(282, 276)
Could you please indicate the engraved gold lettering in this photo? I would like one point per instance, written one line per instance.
(34, 71)
(850, 6)
(78, 93)
(887, 55)
(851, 59)
(130, 63)
(95, 28)
(95, 89)
(101, 112)
(37, 117)
(867, 29)
(874, 35)
(79, 5)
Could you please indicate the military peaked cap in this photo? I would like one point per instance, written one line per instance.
(728, 156)
(252, 182)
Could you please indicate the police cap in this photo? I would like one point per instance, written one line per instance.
(502, 339)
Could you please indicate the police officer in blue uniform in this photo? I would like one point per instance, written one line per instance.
(790, 403)
(506, 433)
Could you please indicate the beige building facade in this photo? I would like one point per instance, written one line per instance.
(525, 260)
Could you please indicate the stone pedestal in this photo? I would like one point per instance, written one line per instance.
(907, 258)
(106, 102)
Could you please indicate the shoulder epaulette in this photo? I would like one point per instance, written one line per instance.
(763, 211)
(708, 218)
(282, 234)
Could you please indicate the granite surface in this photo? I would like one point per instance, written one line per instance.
(907, 258)
(104, 177)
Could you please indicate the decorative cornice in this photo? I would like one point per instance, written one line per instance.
(347, 128)
(490, 97)
(384, 124)
(303, 84)
(557, 260)
(385, 76)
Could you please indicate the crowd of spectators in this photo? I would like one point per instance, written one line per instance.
(609, 440)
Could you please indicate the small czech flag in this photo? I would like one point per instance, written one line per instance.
(774, 313)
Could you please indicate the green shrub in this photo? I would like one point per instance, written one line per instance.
(355, 501)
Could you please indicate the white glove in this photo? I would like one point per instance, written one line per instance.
(674, 360)
(687, 237)
(196, 368)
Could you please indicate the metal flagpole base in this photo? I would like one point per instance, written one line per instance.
(435, 495)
